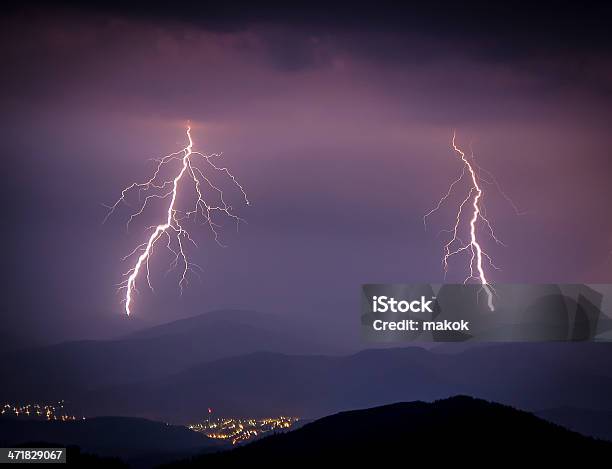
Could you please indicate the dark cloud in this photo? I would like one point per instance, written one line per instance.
(502, 28)
(560, 44)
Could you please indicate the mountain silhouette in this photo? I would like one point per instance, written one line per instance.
(124, 437)
(458, 430)
(529, 376)
(248, 364)
(70, 368)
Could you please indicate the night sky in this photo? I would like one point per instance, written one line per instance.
(338, 124)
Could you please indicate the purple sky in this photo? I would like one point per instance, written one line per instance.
(340, 135)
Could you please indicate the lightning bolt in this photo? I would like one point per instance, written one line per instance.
(477, 219)
(173, 229)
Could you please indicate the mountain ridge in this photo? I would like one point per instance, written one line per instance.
(447, 430)
(266, 383)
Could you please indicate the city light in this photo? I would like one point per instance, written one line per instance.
(242, 430)
(55, 411)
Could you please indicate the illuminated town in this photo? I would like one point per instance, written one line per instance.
(242, 430)
(56, 411)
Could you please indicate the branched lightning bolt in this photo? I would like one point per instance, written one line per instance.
(477, 218)
(173, 228)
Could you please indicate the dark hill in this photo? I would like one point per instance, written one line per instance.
(125, 437)
(456, 430)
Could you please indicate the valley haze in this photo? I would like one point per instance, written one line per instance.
(248, 364)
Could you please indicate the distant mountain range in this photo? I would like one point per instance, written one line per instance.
(461, 431)
(530, 376)
(70, 368)
(250, 364)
